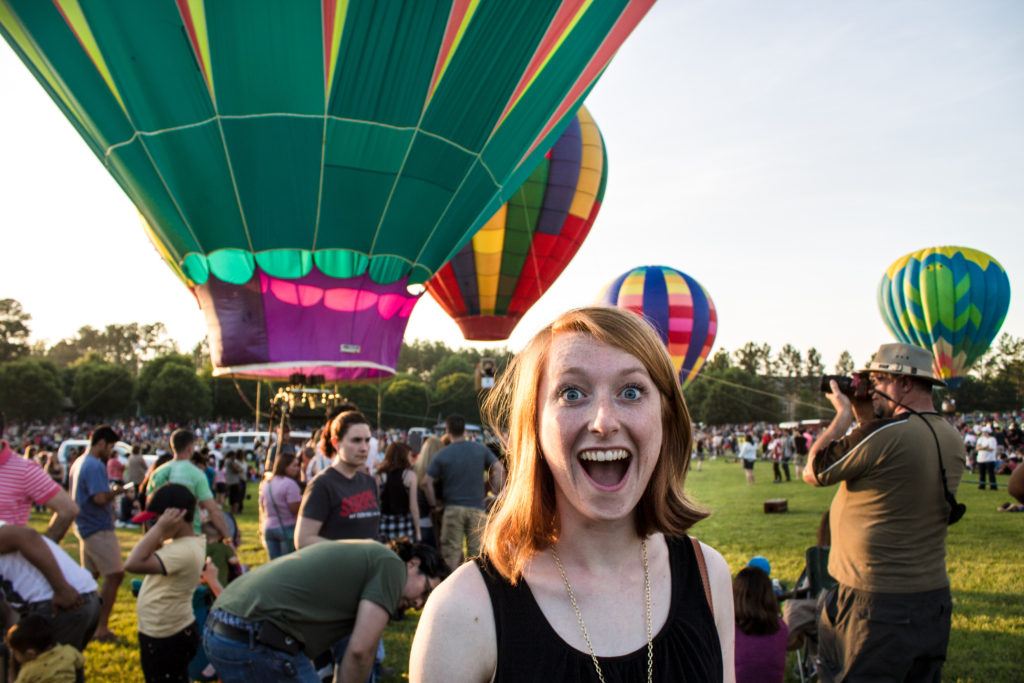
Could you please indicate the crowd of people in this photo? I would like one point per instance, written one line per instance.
(557, 558)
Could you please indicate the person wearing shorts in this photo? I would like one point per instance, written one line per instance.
(100, 550)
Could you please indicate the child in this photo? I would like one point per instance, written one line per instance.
(761, 634)
(221, 554)
(172, 557)
(32, 645)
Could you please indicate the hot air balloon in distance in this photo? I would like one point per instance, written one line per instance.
(949, 300)
(494, 279)
(678, 308)
(302, 164)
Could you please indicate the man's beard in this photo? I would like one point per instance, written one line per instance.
(883, 408)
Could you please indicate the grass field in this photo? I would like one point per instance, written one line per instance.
(984, 559)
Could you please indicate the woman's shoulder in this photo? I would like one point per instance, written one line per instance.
(460, 606)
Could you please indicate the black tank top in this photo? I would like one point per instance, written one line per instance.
(685, 649)
(394, 497)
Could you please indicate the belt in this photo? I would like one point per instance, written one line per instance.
(263, 632)
(234, 633)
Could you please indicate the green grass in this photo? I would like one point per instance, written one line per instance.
(984, 560)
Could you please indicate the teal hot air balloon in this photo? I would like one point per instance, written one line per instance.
(949, 300)
(301, 164)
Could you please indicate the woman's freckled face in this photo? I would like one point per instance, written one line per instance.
(599, 425)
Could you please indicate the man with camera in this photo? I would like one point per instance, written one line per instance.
(898, 469)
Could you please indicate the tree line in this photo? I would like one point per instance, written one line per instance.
(136, 369)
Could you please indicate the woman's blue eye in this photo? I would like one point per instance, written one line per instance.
(632, 393)
(571, 394)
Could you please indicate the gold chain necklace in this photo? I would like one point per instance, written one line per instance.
(579, 617)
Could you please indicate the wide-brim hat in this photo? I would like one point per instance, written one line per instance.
(904, 359)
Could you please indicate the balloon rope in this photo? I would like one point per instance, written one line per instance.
(758, 391)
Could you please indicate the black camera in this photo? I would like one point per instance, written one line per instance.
(857, 386)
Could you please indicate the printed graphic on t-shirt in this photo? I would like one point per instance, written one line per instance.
(362, 504)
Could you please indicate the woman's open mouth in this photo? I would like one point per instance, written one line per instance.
(607, 468)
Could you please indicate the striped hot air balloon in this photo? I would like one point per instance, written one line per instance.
(495, 278)
(949, 300)
(676, 305)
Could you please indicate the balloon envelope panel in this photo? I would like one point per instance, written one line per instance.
(519, 253)
(949, 300)
(347, 138)
(678, 308)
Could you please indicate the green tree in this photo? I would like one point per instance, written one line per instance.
(791, 360)
(450, 365)
(844, 366)
(151, 370)
(456, 393)
(734, 396)
(421, 356)
(719, 361)
(767, 361)
(31, 389)
(102, 389)
(365, 397)
(748, 358)
(814, 365)
(405, 403)
(176, 393)
(14, 331)
(124, 344)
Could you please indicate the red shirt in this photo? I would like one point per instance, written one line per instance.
(22, 483)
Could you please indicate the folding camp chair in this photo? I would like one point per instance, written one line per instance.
(818, 580)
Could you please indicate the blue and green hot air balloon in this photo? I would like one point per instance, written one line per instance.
(949, 300)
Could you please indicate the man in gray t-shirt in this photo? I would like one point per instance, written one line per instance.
(461, 467)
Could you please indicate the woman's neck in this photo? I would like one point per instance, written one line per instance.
(596, 543)
(345, 469)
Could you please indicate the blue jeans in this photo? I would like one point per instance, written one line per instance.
(252, 662)
(338, 653)
(279, 541)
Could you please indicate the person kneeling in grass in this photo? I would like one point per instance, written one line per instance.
(172, 557)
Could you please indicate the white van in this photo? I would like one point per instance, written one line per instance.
(121, 449)
(242, 442)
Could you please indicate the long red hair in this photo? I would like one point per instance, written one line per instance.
(524, 521)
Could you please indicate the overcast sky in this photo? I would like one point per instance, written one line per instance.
(782, 153)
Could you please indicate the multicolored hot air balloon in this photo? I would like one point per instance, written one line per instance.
(949, 300)
(493, 280)
(676, 305)
(300, 164)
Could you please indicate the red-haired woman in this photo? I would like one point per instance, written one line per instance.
(587, 572)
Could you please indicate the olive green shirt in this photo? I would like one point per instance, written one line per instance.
(313, 594)
(889, 517)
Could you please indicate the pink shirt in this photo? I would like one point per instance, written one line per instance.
(285, 490)
(22, 483)
(115, 468)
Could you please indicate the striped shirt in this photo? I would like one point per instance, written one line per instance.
(22, 483)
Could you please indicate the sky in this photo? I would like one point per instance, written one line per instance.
(783, 154)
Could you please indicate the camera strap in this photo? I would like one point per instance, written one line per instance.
(956, 510)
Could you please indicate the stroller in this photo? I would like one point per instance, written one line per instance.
(801, 609)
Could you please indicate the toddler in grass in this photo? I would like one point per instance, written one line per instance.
(172, 557)
(221, 555)
(32, 645)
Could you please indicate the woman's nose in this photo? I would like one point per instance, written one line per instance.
(605, 419)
